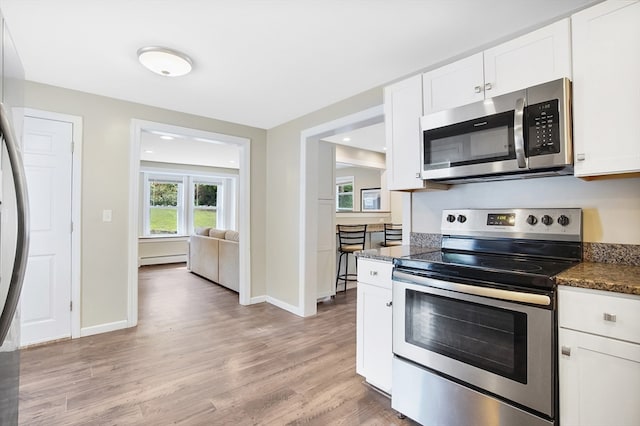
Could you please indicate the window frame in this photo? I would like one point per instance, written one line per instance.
(191, 208)
(341, 181)
(185, 203)
(163, 178)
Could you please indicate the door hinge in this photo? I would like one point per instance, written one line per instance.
(71, 305)
(73, 147)
(72, 227)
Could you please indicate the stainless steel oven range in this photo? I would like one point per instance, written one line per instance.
(474, 325)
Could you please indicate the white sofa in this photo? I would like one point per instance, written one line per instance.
(213, 254)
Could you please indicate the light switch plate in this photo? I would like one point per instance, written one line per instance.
(106, 215)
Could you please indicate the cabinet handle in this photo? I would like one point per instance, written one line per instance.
(477, 89)
(566, 350)
(488, 86)
(373, 273)
(389, 304)
(580, 157)
(609, 317)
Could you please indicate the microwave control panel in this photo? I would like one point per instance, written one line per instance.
(543, 125)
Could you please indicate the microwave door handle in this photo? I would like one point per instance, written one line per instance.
(518, 133)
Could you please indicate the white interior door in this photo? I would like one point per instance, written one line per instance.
(46, 293)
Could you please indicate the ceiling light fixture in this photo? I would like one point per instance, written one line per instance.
(165, 61)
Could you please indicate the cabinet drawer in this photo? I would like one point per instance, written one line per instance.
(375, 272)
(598, 312)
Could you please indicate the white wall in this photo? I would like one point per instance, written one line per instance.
(283, 193)
(611, 208)
(396, 206)
(106, 150)
(363, 178)
(360, 157)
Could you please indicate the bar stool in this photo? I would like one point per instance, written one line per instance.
(351, 239)
(392, 235)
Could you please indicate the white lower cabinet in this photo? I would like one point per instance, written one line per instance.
(373, 331)
(599, 370)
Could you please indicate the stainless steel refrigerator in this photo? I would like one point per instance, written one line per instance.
(14, 223)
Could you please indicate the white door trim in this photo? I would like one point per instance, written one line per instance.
(76, 209)
(244, 207)
(308, 268)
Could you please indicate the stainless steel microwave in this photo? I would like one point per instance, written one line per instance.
(520, 134)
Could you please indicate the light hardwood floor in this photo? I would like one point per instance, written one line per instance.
(199, 358)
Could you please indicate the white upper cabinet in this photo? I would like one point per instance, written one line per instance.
(455, 84)
(537, 57)
(540, 56)
(402, 112)
(606, 89)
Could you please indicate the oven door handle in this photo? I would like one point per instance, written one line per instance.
(494, 293)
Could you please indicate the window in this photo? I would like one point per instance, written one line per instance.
(344, 194)
(165, 206)
(205, 205)
(176, 204)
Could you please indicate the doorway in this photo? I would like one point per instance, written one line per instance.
(242, 218)
(309, 139)
(52, 152)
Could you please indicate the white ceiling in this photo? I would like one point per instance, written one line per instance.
(259, 63)
(183, 149)
(370, 138)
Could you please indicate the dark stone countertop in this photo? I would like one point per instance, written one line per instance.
(613, 277)
(602, 276)
(389, 253)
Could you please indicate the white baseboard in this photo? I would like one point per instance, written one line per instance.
(284, 305)
(160, 260)
(350, 285)
(324, 295)
(103, 328)
(258, 299)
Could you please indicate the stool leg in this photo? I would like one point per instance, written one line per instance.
(346, 272)
(356, 260)
(338, 273)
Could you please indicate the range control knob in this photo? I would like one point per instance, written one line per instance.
(547, 220)
(462, 218)
(451, 218)
(563, 220)
(532, 220)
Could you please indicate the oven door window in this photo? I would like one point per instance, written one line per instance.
(482, 140)
(490, 338)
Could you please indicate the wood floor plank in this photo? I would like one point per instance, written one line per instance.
(197, 357)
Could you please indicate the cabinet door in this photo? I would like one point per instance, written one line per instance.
(534, 58)
(599, 380)
(455, 84)
(373, 336)
(606, 66)
(402, 110)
